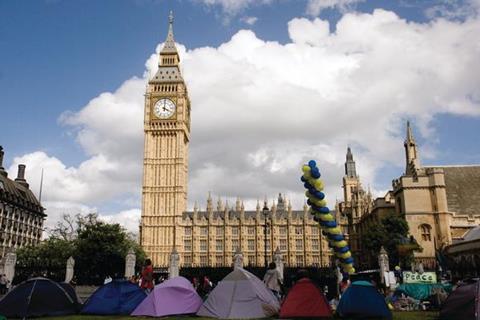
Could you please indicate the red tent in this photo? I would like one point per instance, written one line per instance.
(305, 300)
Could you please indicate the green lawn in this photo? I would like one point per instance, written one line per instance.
(406, 315)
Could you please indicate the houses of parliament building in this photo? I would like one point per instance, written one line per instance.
(210, 237)
(439, 203)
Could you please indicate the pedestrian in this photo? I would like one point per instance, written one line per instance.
(147, 276)
(206, 286)
(272, 280)
(3, 284)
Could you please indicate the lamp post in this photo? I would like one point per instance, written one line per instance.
(265, 215)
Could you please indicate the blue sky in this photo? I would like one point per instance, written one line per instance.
(58, 56)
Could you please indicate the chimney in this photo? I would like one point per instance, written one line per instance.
(21, 176)
(2, 169)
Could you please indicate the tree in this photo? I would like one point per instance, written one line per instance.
(99, 250)
(391, 232)
(47, 259)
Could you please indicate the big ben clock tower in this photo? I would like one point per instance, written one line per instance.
(165, 162)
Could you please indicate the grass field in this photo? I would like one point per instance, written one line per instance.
(411, 315)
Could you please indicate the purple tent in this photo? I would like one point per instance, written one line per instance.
(240, 295)
(172, 297)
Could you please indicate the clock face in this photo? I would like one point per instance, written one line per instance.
(164, 108)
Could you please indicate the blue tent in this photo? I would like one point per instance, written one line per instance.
(116, 297)
(38, 297)
(362, 300)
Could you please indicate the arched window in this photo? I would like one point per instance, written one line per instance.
(425, 231)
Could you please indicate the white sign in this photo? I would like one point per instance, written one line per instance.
(415, 277)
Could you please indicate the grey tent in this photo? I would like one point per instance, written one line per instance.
(463, 303)
(240, 295)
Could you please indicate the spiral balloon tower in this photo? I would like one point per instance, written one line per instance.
(321, 214)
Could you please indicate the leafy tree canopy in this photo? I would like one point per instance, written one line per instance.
(390, 232)
(99, 250)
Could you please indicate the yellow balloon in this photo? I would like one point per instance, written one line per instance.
(326, 217)
(318, 184)
(340, 244)
(335, 230)
(321, 203)
(344, 255)
(306, 169)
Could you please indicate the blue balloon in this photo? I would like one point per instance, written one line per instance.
(312, 164)
(302, 178)
(336, 237)
(315, 174)
(341, 250)
(324, 210)
(328, 224)
(347, 260)
(319, 195)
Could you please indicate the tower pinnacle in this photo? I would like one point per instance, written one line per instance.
(350, 170)
(169, 45)
(411, 152)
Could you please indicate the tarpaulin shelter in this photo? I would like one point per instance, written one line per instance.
(463, 303)
(240, 295)
(172, 297)
(421, 291)
(116, 297)
(38, 297)
(305, 300)
(362, 300)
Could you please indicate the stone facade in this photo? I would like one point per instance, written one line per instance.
(440, 203)
(165, 164)
(21, 214)
(211, 237)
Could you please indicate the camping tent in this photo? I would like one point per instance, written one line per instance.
(364, 301)
(240, 295)
(172, 297)
(305, 300)
(421, 291)
(39, 297)
(116, 297)
(463, 303)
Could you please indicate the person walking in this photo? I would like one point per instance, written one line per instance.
(147, 276)
(3, 284)
(272, 280)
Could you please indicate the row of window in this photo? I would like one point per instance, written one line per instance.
(187, 245)
(251, 259)
(251, 230)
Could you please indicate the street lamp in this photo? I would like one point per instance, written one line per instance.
(265, 215)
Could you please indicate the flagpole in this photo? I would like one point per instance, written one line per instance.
(41, 187)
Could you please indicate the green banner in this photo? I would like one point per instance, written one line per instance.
(415, 277)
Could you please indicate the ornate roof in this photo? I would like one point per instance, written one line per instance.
(463, 188)
(169, 46)
(167, 74)
(18, 194)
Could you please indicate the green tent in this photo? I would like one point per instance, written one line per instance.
(421, 291)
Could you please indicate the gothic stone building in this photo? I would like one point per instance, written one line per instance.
(440, 203)
(205, 237)
(21, 215)
(211, 237)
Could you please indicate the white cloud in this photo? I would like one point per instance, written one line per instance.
(233, 7)
(249, 20)
(260, 109)
(454, 9)
(129, 219)
(315, 7)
